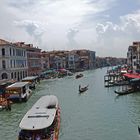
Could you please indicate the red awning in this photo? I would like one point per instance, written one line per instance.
(131, 75)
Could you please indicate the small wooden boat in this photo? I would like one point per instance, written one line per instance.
(79, 75)
(83, 89)
(42, 121)
(124, 92)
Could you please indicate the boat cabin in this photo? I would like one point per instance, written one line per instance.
(18, 91)
(33, 80)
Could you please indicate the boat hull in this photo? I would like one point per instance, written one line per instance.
(42, 120)
(52, 135)
(125, 92)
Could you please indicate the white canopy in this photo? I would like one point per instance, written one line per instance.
(30, 78)
(40, 116)
(18, 85)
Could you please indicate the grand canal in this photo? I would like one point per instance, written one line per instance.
(98, 114)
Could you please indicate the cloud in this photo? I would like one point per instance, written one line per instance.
(71, 34)
(129, 25)
(117, 37)
(69, 24)
(21, 4)
(33, 28)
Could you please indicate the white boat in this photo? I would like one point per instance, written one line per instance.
(33, 80)
(42, 120)
(18, 91)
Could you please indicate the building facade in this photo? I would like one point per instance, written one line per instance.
(13, 61)
(133, 56)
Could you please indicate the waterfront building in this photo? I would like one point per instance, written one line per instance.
(71, 61)
(86, 60)
(13, 61)
(74, 60)
(133, 56)
(58, 59)
(33, 58)
(45, 60)
(109, 61)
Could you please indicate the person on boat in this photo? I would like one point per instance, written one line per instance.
(79, 87)
(8, 105)
(37, 137)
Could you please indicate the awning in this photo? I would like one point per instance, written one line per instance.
(132, 75)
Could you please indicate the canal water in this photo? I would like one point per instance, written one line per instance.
(97, 114)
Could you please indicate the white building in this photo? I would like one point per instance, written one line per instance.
(13, 61)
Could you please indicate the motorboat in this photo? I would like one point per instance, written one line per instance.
(18, 92)
(79, 75)
(83, 89)
(33, 80)
(42, 121)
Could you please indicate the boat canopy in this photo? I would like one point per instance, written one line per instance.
(40, 116)
(17, 85)
(30, 78)
(132, 75)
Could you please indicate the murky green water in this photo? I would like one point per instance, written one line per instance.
(98, 114)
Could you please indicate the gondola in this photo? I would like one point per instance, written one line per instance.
(124, 92)
(83, 89)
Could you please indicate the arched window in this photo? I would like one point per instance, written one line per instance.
(4, 76)
(3, 52)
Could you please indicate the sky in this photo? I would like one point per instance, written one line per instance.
(107, 27)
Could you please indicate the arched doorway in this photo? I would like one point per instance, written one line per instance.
(4, 76)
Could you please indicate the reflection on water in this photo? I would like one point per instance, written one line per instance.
(96, 114)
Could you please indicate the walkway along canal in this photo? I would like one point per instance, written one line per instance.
(97, 114)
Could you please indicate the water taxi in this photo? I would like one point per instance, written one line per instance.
(18, 92)
(42, 121)
(32, 81)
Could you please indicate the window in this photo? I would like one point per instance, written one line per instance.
(3, 64)
(15, 75)
(3, 52)
(10, 52)
(11, 63)
(13, 52)
(12, 75)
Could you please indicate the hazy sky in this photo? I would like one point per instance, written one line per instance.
(105, 26)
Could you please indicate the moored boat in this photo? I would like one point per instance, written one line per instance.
(32, 81)
(18, 92)
(124, 92)
(42, 121)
